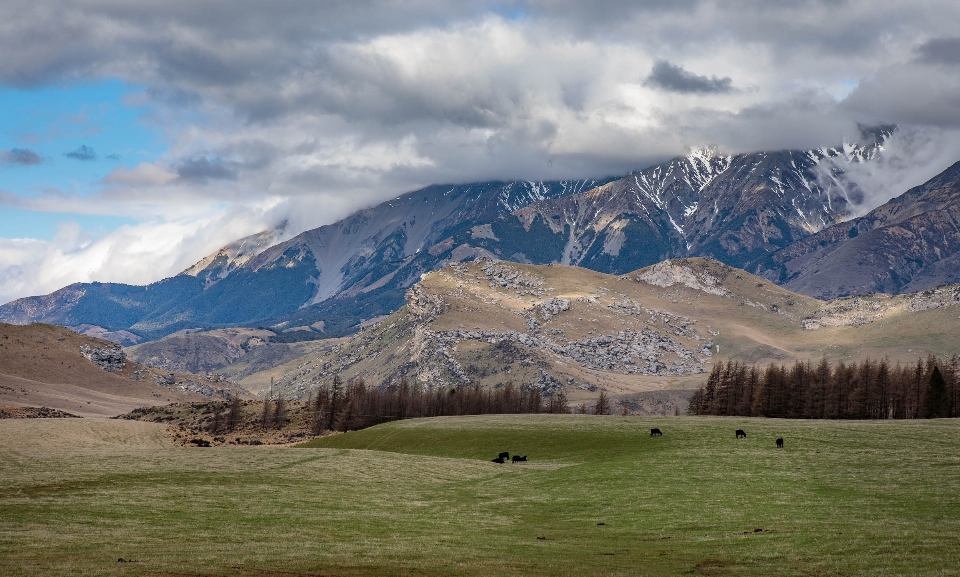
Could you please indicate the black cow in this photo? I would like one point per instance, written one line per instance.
(741, 433)
(519, 459)
(655, 433)
(780, 443)
(504, 455)
(498, 460)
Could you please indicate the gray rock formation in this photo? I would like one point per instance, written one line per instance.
(108, 358)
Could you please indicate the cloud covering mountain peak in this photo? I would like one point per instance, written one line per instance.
(309, 111)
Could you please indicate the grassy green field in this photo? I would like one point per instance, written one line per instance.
(598, 496)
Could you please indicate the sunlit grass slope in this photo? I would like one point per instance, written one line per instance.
(598, 496)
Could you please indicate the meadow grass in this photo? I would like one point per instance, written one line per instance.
(598, 496)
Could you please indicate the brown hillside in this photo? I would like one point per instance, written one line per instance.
(659, 328)
(42, 365)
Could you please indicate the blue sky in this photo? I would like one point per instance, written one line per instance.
(138, 137)
(81, 133)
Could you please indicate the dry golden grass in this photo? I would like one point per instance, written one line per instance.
(41, 365)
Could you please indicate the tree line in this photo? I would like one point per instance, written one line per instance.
(867, 390)
(351, 405)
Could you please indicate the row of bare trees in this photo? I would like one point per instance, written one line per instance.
(867, 390)
(232, 418)
(354, 405)
(344, 406)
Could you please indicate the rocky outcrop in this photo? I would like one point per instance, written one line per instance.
(109, 359)
(669, 273)
(503, 275)
(552, 307)
(861, 310)
(422, 306)
(207, 385)
(645, 352)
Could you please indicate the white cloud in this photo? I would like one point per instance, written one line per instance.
(312, 110)
(910, 157)
(145, 174)
(132, 254)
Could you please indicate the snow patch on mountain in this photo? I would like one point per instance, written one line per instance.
(215, 267)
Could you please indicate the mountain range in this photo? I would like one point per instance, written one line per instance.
(330, 277)
(791, 217)
(736, 209)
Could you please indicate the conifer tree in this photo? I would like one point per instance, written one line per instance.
(936, 395)
(559, 403)
(603, 404)
(319, 403)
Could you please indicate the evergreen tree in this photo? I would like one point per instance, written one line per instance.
(319, 403)
(936, 395)
(868, 390)
(603, 404)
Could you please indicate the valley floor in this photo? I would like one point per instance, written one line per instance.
(597, 496)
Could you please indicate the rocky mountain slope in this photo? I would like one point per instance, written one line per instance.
(50, 366)
(736, 209)
(235, 353)
(657, 328)
(217, 266)
(909, 244)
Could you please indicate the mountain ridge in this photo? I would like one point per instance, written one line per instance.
(358, 251)
(908, 244)
(738, 209)
(44, 365)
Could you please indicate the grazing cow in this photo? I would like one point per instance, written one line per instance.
(504, 455)
(498, 460)
(741, 433)
(655, 433)
(519, 459)
(780, 443)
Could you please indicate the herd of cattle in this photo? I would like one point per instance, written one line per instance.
(505, 456)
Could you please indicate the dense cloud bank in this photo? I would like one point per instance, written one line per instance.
(311, 110)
